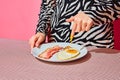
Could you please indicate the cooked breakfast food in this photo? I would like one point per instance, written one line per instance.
(63, 53)
(67, 53)
(49, 52)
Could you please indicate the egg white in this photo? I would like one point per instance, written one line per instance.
(64, 54)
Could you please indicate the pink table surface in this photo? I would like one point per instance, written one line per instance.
(17, 63)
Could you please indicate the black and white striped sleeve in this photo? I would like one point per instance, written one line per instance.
(104, 11)
(46, 10)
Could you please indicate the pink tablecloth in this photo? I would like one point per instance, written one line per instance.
(17, 63)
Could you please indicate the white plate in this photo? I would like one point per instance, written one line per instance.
(36, 51)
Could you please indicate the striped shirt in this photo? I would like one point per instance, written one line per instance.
(53, 15)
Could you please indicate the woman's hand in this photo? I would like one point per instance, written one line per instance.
(36, 40)
(81, 22)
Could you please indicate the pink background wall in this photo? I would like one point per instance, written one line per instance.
(18, 19)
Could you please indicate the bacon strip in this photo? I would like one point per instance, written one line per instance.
(49, 52)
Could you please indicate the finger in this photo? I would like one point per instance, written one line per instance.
(89, 25)
(70, 19)
(84, 24)
(32, 42)
(73, 29)
(78, 28)
(39, 41)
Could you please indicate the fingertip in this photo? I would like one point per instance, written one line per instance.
(36, 44)
(68, 20)
(87, 28)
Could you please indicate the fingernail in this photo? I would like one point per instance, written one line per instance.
(36, 45)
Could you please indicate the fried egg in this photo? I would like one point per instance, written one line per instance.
(67, 53)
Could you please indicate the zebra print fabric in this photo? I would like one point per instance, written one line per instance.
(103, 12)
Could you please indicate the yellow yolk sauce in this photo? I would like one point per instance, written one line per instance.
(71, 51)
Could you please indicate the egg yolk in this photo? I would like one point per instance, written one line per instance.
(71, 51)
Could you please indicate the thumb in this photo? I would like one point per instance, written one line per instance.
(70, 19)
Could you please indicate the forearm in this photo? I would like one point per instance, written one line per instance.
(44, 16)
